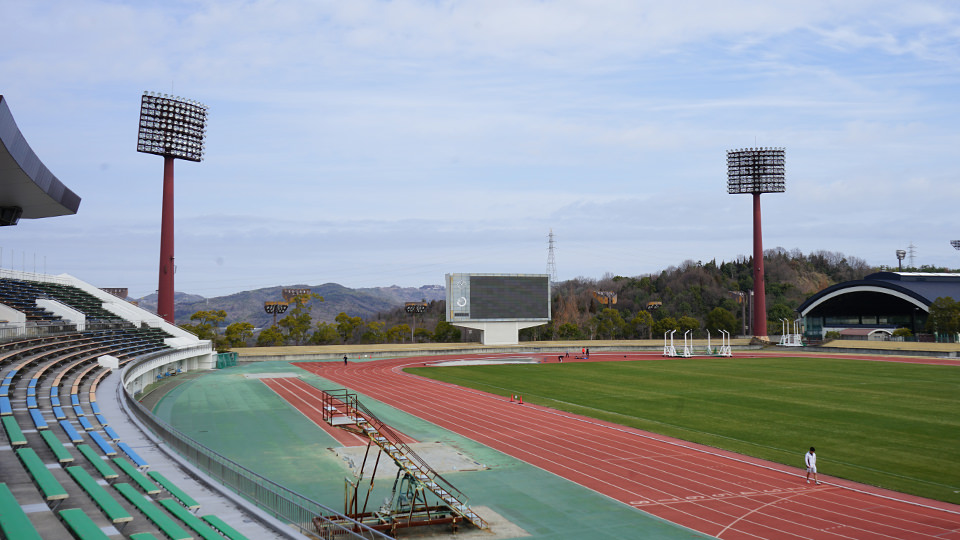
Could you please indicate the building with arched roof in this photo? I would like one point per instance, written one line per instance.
(877, 304)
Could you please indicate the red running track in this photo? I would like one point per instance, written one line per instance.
(719, 493)
(307, 400)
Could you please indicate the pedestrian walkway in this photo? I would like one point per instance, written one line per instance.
(248, 522)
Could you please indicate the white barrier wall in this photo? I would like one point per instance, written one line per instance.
(12, 316)
(65, 312)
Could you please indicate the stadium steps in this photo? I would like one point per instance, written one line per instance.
(341, 408)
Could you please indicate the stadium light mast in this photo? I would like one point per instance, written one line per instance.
(174, 128)
(756, 171)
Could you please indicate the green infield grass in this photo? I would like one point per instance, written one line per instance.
(893, 425)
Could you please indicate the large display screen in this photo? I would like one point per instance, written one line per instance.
(498, 297)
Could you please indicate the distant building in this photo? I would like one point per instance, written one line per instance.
(872, 307)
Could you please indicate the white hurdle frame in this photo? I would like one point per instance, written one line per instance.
(669, 350)
(687, 346)
(725, 348)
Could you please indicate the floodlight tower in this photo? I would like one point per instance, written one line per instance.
(174, 128)
(756, 171)
(955, 244)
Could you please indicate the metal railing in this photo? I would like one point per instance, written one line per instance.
(303, 513)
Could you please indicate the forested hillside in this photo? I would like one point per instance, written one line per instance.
(697, 295)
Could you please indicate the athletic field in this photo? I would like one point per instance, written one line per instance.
(889, 424)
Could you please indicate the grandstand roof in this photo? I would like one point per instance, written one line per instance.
(916, 288)
(25, 182)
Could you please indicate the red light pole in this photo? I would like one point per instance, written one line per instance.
(174, 128)
(756, 171)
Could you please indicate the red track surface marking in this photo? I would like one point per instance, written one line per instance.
(719, 493)
(306, 399)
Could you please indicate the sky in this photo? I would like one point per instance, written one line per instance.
(375, 143)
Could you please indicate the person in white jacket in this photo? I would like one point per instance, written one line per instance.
(811, 460)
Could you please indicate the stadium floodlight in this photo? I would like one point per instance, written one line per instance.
(414, 309)
(955, 244)
(607, 298)
(174, 128)
(274, 308)
(901, 253)
(290, 294)
(755, 171)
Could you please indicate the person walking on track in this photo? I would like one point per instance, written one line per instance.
(811, 460)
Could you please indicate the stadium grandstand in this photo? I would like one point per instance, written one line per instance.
(80, 456)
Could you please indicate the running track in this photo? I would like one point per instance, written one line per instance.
(722, 494)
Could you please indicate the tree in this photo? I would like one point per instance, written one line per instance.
(687, 323)
(778, 312)
(445, 332)
(206, 328)
(721, 319)
(347, 325)
(665, 325)
(642, 324)
(237, 334)
(608, 324)
(374, 333)
(569, 331)
(326, 334)
(271, 337)
(398, 333)
(902, 333)
(421, 335)
(298, 321)
(944, 316)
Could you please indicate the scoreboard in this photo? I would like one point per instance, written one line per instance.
(498, 297)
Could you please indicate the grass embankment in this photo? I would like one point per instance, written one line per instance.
(882, 423)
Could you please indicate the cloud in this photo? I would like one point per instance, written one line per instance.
(374, 142)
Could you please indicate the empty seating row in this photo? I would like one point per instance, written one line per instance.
(43, 471)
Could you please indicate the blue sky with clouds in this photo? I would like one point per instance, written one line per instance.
(375, 143)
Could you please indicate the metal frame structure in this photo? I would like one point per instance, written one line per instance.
(755, 171)
(414, 487)
(174, 128)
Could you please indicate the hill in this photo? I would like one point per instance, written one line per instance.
(247, 306)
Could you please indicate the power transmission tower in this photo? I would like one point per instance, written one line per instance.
(911, 251)
(551, 260)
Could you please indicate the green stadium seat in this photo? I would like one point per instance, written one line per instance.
(49, 485)
(154, 514)
(81, 525)
(105, 470)
(13, 520)
(223, 528)
(192, 521)
(14, 434)
(178, 494)
(110, 507)
(138, 477)
(59, 451)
